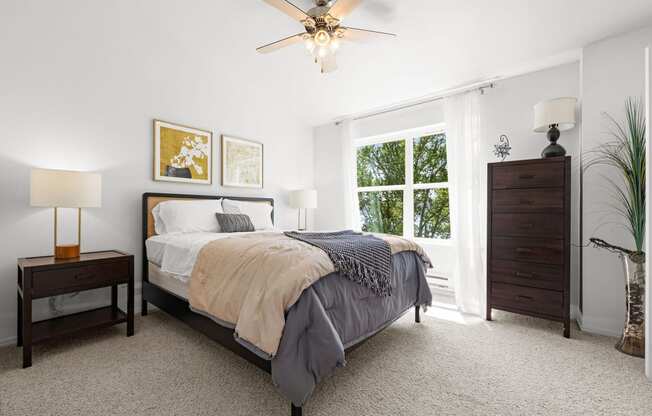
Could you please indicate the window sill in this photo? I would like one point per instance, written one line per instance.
(434, 242)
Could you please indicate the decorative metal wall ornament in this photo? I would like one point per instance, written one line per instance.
(503, 148)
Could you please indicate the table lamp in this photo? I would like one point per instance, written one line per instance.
(554, 116)
(303, 199)
(66, 189)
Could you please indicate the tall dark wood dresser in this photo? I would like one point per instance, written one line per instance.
(528, 233)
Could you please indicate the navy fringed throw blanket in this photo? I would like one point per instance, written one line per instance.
(364, 259)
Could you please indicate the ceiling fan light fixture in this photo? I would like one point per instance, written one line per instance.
(322, 38)
(335, 44)
(310, 44)
(323, 32)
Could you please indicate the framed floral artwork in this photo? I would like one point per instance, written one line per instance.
(182, 154)
(242, 163)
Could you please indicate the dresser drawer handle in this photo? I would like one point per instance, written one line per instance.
(526, 275)
(84, 276)
(525, 202)
(521, 250)
(525, 176)
(523, 297)
(526, 226)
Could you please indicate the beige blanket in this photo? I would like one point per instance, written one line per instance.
(251, 280)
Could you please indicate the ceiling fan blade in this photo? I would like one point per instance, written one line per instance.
(328, 64)
(363, 35)
(274, 46)
(288, 8)
(341, 8)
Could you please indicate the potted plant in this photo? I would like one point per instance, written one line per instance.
(626, 153)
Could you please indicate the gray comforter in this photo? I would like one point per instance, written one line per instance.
(336, 313)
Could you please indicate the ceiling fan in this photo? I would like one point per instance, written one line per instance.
(323, 30)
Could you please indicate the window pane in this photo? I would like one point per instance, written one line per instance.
(430, 159)
(381, 164)
(431, 214)
(382, 212)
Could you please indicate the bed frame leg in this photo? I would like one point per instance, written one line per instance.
(143, 308)
(296, 411)
(417, 316)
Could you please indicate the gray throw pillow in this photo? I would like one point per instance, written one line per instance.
(234, 223)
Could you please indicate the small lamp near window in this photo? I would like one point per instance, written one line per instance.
(303, 199)
(66, 189)
(554, 116)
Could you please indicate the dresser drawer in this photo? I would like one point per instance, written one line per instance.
(57, 281)
(528, 225)
(528, 250)
(527, 274)
(534, 175)
(527, 299)
(528, 200)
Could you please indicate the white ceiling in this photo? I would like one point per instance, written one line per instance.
(210, 45)
(441, 44)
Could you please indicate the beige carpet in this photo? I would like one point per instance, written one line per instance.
(448, 365)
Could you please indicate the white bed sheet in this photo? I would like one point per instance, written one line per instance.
(176, 253)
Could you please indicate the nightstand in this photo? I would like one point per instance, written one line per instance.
(40, 277)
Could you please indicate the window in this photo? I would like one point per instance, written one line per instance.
(403, 184)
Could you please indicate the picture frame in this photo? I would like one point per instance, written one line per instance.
(182, 154)
(242, 163)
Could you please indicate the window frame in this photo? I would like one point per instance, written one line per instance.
(409, 187)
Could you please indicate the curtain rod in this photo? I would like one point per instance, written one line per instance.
(478, 86)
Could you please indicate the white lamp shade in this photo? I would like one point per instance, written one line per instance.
(65, 189)
(303, 198)
(560, 111)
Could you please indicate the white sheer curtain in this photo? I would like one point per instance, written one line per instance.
(349, 177)
(467, 154)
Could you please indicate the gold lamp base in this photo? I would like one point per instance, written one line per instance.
(66, 251)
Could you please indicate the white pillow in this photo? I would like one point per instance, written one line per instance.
(159, 227)
(189, 216)
(260, 213)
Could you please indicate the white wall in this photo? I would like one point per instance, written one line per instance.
(508, 109)
(612, 70)
(79, 86)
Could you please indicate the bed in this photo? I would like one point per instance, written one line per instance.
(330, 318)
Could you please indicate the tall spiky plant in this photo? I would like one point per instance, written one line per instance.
(626, 153)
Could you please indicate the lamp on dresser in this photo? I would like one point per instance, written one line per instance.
(65, 189)
(554, 116)
(303, 199)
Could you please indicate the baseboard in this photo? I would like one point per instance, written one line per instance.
(5, 342)
(598, 326)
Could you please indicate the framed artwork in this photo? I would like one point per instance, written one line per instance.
(182, 154)
(242, 163)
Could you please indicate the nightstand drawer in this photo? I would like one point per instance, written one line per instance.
(65, 280)
(539, 175)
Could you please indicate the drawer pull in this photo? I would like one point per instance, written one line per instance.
(523, 297)
(84, 276)
(525, 202)
(522, 250)
(526, 275)
(526, 226)
(525, 176)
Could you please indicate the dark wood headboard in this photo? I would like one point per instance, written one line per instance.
(150, 200)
